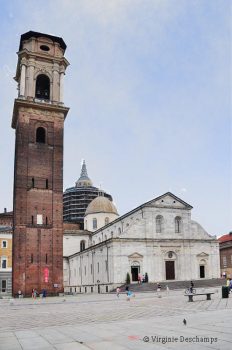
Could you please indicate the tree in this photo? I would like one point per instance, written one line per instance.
(127, 278)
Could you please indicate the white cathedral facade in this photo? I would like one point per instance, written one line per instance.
(158, 238)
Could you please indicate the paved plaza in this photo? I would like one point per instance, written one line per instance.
(102, 322)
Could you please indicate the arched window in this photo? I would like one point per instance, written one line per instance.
(82, 246)
(42, 89)
(40, 135)
(178, 224)
(94, 223)
(107, 220)
(159, 223)
(119, 231)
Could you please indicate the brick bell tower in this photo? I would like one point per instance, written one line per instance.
(38, 120)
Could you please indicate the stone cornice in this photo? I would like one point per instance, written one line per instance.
(27, 55)
(41, 106)
(76, 233)
(171, 243)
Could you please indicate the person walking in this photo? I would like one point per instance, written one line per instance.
(35, 293)
(118, 291)
(130, 294)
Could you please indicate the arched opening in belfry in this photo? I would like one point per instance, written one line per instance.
(42, 89)
(40, 135)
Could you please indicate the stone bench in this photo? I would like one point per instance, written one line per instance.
(208, 295)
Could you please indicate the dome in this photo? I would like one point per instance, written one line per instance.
(101, 205)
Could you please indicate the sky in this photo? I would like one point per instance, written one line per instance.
(149, 91)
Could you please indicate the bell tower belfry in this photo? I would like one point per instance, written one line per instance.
(38, 120)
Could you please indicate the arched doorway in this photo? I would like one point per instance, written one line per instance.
(170, 268)
(202, 268)
(135, 265)
(202, 260)
(135, 270)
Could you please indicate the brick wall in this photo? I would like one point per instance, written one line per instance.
(226, 258)
(38, 193)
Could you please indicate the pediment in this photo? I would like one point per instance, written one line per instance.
(135, 256)
(202, 255)
(169, 200)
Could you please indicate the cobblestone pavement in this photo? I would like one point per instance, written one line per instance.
(107, 322)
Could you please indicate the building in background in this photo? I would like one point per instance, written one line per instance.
(158, 238)
(5, 260)
(225, 246)
(76, 199)
(38, 119)
(6, 218)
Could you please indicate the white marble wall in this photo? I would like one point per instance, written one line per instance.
(101, 220)
(133, 238)
(152, 255)
(72, 241)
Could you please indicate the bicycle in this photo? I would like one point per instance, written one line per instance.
(190, 291)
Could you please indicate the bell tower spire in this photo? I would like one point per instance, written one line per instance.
(41, 67)
(38, 120)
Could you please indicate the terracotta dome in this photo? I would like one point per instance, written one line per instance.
(101, 205)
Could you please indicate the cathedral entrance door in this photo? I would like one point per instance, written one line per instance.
(202, 271)
(135, 273)
(170, 270)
